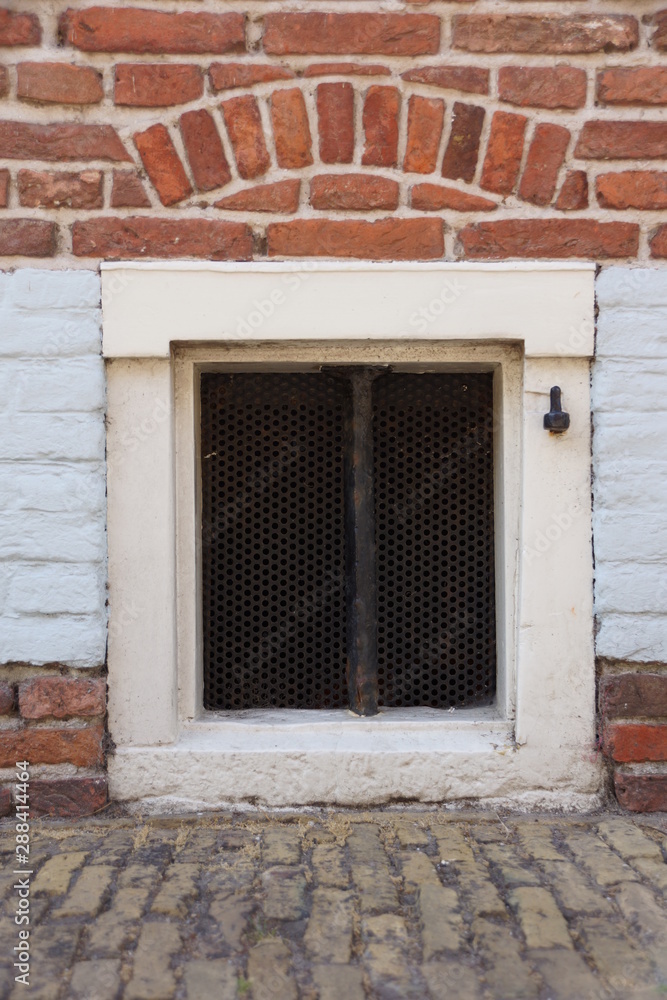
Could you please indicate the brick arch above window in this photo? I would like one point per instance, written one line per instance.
(383, 135)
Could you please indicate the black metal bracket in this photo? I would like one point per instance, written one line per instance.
(556, 420)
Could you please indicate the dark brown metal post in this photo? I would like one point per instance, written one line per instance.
(360, 572)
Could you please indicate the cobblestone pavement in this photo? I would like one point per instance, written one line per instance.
(342, 906)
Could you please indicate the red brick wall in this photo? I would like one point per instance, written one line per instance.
(55, 720)
(228, 131)
(633, 710)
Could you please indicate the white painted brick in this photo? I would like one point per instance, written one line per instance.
(629, 393)
(630, 587)
(52, 588)
(626, 485)
(631, 288)
(36, 289)
(53, 487)
(630, 535)
(60, 437)
(632, 333)
(52, 386)
(37, 535)
(630, 386)
(74, 641)
(642, 638)
(52, 469)
(50, 334)
(630, 436)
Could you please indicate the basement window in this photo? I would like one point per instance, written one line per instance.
(347, 539)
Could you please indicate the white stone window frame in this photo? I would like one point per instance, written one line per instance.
(533, 326)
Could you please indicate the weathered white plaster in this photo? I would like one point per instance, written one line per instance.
(536, 747)
(629, 398)
(52, 478)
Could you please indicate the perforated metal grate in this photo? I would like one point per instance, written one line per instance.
(433, 440)
(273, 545)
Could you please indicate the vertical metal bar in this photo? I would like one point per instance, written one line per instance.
(360, 573)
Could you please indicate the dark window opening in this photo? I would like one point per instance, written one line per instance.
(347, 540)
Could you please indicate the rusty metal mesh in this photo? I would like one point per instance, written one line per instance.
(433, 438)
(273, 540)
(272, 553)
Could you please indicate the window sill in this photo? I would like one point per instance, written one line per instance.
(288, 759)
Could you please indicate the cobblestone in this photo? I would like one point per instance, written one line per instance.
(269, 971)
(152, 977)
(285, 893)
(339, 982)
(412, 905)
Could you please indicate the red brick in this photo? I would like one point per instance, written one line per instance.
(4, 188)
(335, 116)
(353, 192)
(81, 747)
(380, 123)
(64, 141)
(629, 742)
(533, 33)
(659, 39)
(387, 239)
(133, 29)
(622, 140)
(542, 86)
(27, 238)
(370, 34)
(643, 189)
(436, 198)
(62, 697)
(230, 76)
(58, 83)
(6, 699)
(244, 126)
(460, 158)
(574, 192)
(641, 792)
(19, 29)
(206, 155)
(469, 79)
(291, 132)
(157, 85)
(6, 808)
(346, 69)
(281, 198)
(545, 158)
(64, 189)
(162, 163)
(4, 81)
(425, 120)
(503, 153)
(127, 191)
(67, 798)
(545, 238)
(632, 85)
(137, 236)
(634, 694)
(659, 243)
